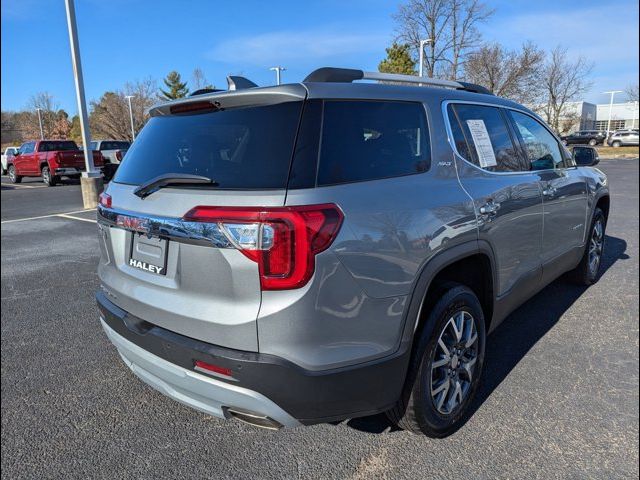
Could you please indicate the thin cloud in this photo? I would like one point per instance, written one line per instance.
(296, 46)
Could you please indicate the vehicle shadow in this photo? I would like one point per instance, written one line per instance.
(514, 337)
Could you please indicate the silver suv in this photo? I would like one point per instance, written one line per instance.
(330, 249)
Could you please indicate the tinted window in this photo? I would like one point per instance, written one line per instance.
(367, 140)
(114, 145)
(241, 148)
(541, 147)
(57, 146)
(485, 132)
(27, 147)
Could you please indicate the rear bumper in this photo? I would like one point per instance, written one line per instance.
(263, 384)
(71, 170)
(193, 389)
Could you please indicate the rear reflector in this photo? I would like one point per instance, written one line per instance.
(214, 369)
(283, 240)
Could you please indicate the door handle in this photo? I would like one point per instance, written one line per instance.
(489, 208)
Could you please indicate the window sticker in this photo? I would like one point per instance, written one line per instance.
(482, 143)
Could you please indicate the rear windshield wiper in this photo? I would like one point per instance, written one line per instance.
(169, 179)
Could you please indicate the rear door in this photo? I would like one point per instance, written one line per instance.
(564, 192)
(183, 275)
(506, 195)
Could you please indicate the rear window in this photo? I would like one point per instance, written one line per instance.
(114, 145)
(368, 140)
(50, 146)
(243, 148)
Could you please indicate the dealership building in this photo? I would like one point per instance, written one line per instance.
(589, 116)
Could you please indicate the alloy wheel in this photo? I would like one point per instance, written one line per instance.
(454, 362)
(596, 246)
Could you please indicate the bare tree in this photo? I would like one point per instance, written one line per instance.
(48, 106)
(632, 92)
(564, 81)
(513, 74)
(199, 80)
(109, 117)
(450, 24)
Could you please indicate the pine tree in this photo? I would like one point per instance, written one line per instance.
(177, 88)
(398, 60)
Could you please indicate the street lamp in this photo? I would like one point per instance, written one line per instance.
(423, 43)
(40, 122)
(612, 93)
(278, 69)
(133, 132)
(91, 181)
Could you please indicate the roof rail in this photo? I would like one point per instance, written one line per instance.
(237, 82)
(348, 75)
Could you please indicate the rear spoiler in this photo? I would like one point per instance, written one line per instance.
(240, 96)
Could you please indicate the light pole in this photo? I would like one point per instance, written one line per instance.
(422, 45)
(612, 93)
(133, 132)
(278, 69)
(91, 181)
(40, 122)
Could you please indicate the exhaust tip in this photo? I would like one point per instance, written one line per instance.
(255, 419)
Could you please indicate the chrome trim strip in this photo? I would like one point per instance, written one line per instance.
(174, 229)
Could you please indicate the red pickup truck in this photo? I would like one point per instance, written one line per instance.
(49, 159)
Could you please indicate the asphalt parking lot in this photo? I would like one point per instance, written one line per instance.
(559, 400)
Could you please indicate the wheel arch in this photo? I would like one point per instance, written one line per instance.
(471, 264)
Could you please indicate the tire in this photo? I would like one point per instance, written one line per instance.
(593, 142)
(616, 144)
(419, 410)
(12, 175)
(588, 270)
(48, 179)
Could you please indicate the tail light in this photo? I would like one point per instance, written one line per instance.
(283, 241)
(105, 200)
(119, 155)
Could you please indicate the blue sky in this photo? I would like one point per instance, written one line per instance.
(123, 40)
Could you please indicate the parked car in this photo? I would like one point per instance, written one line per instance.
(277, 255)
(623, 138)
(50, 160)
(586, 137)
(6, 156)
(113, 152)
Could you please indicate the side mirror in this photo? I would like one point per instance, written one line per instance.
(585, 156)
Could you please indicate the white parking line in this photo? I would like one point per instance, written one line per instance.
(13, 185)
(63, 214)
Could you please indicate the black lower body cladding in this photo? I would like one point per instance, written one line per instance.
(309, 396)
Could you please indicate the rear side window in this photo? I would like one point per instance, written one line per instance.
(368, 140)
(241, 148)
(482, 137)
(57, 146)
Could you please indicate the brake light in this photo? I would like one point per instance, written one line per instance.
(193, 107)
(119, 155)
(283, 240)
(105, 200)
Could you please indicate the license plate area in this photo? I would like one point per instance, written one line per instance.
(148, 254)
